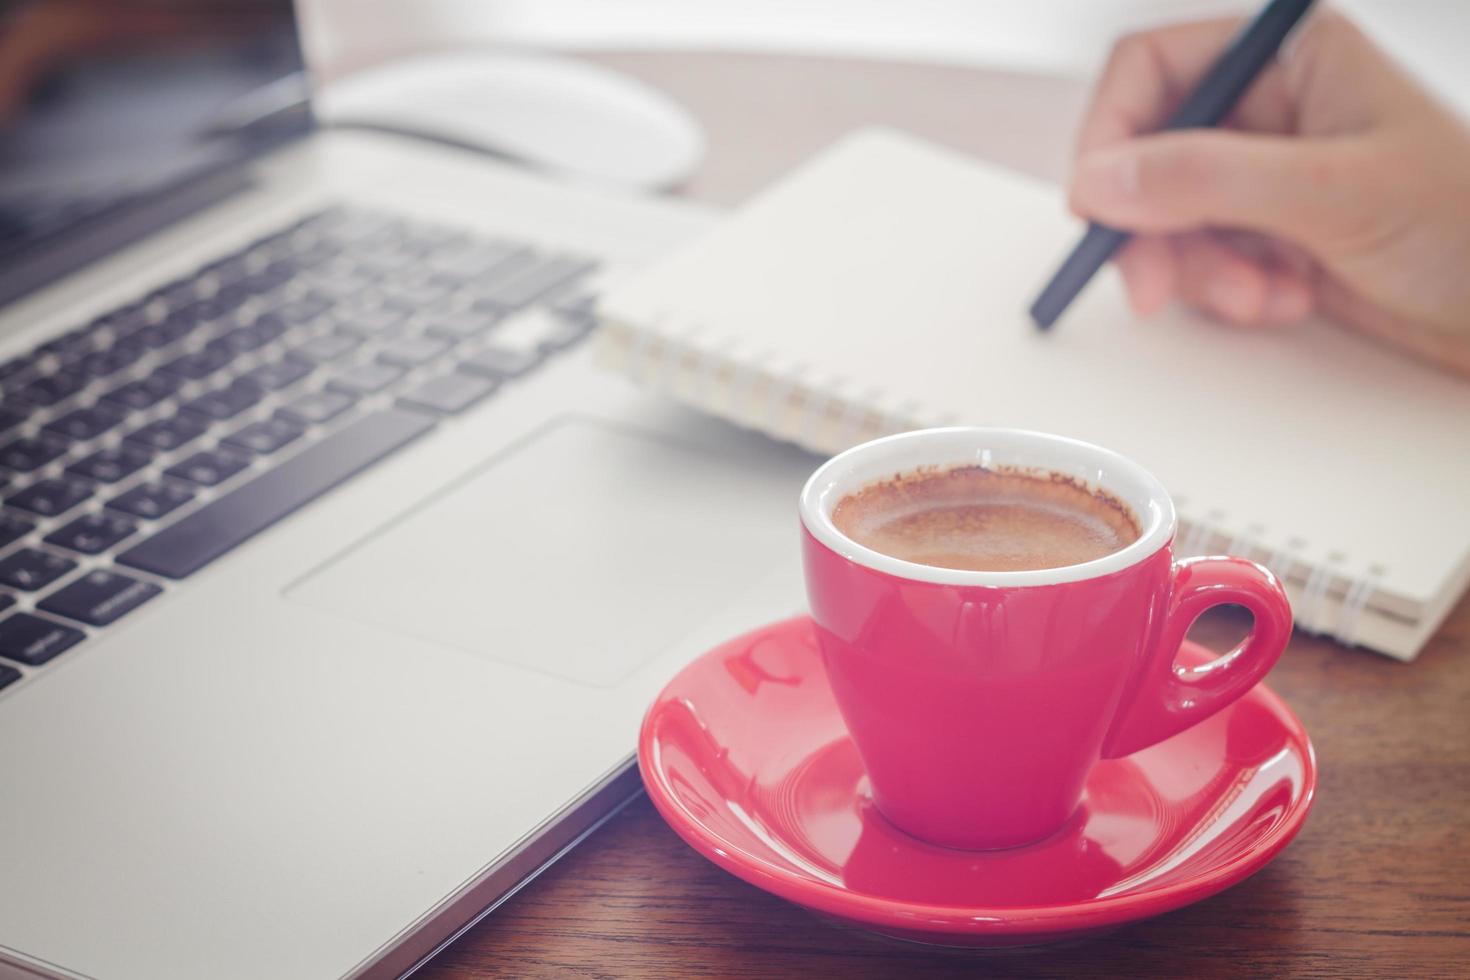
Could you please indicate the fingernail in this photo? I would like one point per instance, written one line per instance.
(1111, 173)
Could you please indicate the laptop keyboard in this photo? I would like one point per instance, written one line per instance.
(143, 446)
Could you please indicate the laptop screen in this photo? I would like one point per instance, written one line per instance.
(105, 105)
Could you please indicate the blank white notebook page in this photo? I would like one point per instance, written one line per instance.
(893, 270)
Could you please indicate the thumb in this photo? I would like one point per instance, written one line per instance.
(1291, 188)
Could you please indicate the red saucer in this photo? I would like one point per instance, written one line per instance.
(746, 756)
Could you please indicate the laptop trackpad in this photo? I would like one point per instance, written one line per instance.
(582, 552)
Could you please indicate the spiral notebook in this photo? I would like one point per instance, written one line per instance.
(883, 287)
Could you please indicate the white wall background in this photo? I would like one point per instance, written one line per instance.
(1069, 36)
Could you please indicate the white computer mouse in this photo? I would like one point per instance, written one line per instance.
(554, 113)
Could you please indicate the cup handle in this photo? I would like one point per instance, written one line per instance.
(1169, 697)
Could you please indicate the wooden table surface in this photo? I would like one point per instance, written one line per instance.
(1378, 882)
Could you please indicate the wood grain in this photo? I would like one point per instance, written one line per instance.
(1378, 882)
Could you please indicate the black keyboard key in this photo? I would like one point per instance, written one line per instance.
(260, 284)
(125, 319)
(280, 374)
(574, 302)
(6, 601)
(151, 501)
(9, 420)
(267, 280)
(232, 294)
(12, 529)
(373, 322)
(86, 423)
(338, 281)
(200, 364)
(170, 433)
(533, 283)
(176, 326)
(461, 326)
(49, 389)
(17, 365)
(518, 263)
(92, 534)
(51, 497)
(30, 569)
(502, 362)
(243, 340)
(265, 436)
(302, 311)
(311, 254)
(221, 525)
(107, 328)
(270, 326)
(101, 364)
(220, 305)
(33, 640)
(317, 407)
(226, 402)
(99, 598)
(111, 464)
(328, 347)
(414, 292)
(151, 336)
(209, 468)
(177, 294)
(226, 271)
(68, 343)
(366, 267)
(449, 393)
(361, 308)
(145, 393)
(8, 675)
(277, 271)
(413, 351)
(27, 455)
(366, 378)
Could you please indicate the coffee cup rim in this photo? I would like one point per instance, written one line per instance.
(953, 446)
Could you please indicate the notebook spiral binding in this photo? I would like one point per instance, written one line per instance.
(753, 390)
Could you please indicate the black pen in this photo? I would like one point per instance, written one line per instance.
(1222, 86)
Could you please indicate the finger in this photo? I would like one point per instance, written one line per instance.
(1236, 288)
(1266, 249)
(1148, 74)
(1299, 190)
(1281, 258)
(1292, 290)
(1147, 266)
(1448, 351)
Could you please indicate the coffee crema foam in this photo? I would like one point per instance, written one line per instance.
(978, 519)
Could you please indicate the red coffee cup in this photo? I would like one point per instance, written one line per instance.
(980, 701)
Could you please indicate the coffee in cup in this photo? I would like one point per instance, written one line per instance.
(988, 520)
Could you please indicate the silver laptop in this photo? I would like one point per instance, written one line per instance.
(335, 578)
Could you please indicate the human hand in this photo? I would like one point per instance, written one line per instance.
(1337, 185)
